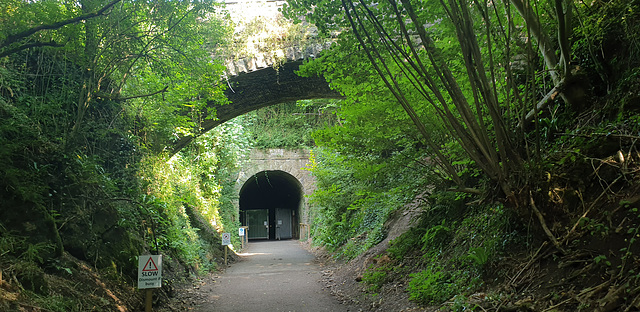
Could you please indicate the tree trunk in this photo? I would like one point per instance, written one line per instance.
(89, 71)
(573, 90)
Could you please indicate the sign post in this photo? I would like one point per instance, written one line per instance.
(149, 276)
(226, 241)
(241, 234)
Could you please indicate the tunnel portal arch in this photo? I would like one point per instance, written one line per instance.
(270, 204)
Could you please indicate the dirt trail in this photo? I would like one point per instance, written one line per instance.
(270, 276)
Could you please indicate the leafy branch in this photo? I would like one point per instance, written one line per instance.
(31, 45)
(24, 34)
(135, 96)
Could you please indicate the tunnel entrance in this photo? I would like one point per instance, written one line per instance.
(270, 204)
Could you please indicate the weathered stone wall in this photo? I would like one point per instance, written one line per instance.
(289, 161)
(270, 46)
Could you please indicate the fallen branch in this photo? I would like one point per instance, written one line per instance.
(543, 103)
(566, 237)
(587, 293)
(544, 224)
(635, 303)
(535, 255)
(612, 300)
(582, 271)
(591, 135)
(556, 305)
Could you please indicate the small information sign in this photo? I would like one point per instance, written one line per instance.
(149, 271)
(226, 239)
(241, 231)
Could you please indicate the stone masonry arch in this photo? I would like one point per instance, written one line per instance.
(263, 78)
(273, 184)
(258, 89)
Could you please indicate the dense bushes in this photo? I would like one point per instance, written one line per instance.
(290, 125)
(84, 175)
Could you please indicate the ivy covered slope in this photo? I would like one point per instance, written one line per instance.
(510, 125)
(290, 125)
(91, 95)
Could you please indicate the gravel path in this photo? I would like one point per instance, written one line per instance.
(271, 276)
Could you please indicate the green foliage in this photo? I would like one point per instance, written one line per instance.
(31, 276)
(478, 255)
(405, 243)
(87, 109)
(376, 276)
(361, 180)
(441, 281)
(433, 286)
(594, 227)
(9, 244)
(436, 237)
(193, 194)
(34, 251)
(290, 125)
(607, 43)
(56, 303)
(602, 259)
(21, 154)
(84, 120)
(456, 247)
(351, 203)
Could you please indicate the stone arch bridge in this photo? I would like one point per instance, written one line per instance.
(264, 79)
(261, 88)
(271, 187)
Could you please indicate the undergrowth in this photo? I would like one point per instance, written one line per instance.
(447, 253)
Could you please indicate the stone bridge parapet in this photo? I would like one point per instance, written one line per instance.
(265, 39)
(264, 60)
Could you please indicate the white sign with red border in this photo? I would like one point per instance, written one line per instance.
(226, 239)
(149, 271)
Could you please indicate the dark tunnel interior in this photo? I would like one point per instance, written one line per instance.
(270, 204)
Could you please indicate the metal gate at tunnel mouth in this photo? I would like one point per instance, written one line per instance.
(270, 202)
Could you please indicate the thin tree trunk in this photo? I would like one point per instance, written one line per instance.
(89, 71)
(547, 51)
(394, 88)
(571, 91)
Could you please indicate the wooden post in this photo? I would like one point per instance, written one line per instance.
(305, 231)
(149, 300)
(226, 248)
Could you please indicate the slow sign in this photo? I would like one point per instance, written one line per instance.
(149, 271)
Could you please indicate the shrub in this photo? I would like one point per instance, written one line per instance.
(432, 286)
(375, 277)
(436, 237)
(400, 246)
